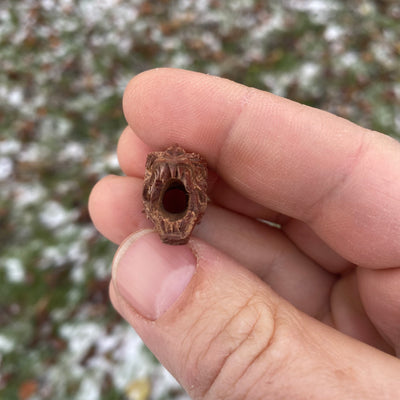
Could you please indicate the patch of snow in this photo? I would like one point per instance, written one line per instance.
(72, 151)
(130, 359)
(320, 10)
(333, 32)
(9, 147)
(308, 72)
(397, 122)
(200, 5)
(48, 4)
(120, 354)
(78, 274)
(52, 256)
(66, 3)
(171, 43)
(14, 269)
(69, 231)
(268, 24)
(87, 232)
(213, 69)
(76, 253)
(80, 337)
(396, 89)
(125, 14)
(6, 168)
(239, 5)
(349, 59)
(33, 153)
(278, 84)
(111, 161)
(6, 345)
(180, 60)
(163, 382)
(15, 97)
(383, 53)
(27, 194)
(254, 54)
(107, 344)
(74, 295)
(366, 8)
(101, 268)
(211, 41)
(89, 389)
(54, 215)
(156, 35)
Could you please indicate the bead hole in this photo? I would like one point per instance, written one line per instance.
(176, 198)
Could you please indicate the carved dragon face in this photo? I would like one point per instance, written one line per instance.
(175, 193)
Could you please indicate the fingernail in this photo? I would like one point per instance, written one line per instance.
(150, 275)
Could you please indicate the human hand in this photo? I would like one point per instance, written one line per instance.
(246, 310)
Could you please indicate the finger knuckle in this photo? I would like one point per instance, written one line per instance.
(238, 351)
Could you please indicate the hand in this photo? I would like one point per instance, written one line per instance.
(246, 310)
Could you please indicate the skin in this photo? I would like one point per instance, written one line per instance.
(320, 296)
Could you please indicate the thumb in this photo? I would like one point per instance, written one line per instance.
(224, 334)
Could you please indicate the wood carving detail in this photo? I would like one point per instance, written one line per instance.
(175, 193)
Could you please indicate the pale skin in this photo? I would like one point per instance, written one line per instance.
(307, 311)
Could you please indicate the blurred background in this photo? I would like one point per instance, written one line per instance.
(64, 65)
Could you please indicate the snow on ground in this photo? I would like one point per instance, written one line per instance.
(64, 68)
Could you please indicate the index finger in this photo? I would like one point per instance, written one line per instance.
(341, 179)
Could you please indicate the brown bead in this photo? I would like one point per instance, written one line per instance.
(175, 193)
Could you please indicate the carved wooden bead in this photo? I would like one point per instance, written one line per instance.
(175, 193)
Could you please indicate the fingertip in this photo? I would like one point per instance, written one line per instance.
(151, 77)
(95, 197)
(144, 90)
(132, 153)
(116, 208)
(166, 106)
